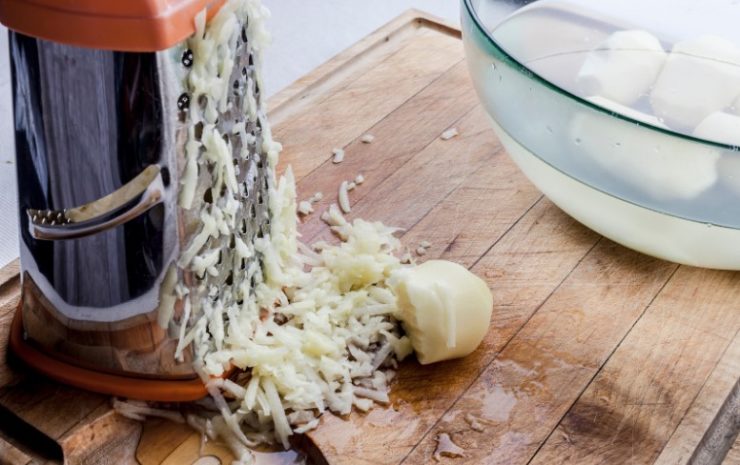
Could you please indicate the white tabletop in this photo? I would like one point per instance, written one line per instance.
(305, 33)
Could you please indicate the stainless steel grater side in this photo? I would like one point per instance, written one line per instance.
(101, 147)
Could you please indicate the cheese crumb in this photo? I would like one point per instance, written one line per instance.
(325, 217)
(338, 156)
(317, 197)
(305, 208)
(420, 251)
(367, 139)
(449, 134)
(359, 179)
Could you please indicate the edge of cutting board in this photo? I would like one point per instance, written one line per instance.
(299, 93)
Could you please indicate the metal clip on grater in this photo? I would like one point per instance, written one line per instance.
(101, 105)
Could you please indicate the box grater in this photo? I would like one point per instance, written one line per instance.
(103, 114)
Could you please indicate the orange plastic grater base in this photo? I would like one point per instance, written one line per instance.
(104, 383)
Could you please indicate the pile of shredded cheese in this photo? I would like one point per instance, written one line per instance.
(309, 329)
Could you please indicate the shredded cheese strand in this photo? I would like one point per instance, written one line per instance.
(309, 331)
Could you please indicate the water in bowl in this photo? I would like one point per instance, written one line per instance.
(614, 139)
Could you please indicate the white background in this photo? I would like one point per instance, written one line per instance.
(305, 34)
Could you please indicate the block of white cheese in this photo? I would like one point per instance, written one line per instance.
(444, 308)
(700, 76)
(724, 128)
(623, 67)
(663, 167)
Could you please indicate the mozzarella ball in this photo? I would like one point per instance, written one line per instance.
(701, 76)
(660, 166)
(724, 128)
(444, 308)
(623, 67)
(720, 127)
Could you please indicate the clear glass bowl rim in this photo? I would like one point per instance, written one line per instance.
(473, 14)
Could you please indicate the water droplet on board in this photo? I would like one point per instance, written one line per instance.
(447, 448)
(475, 423)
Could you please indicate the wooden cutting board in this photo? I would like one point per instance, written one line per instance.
(596, 354)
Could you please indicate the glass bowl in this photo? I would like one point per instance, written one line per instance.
(630, 128)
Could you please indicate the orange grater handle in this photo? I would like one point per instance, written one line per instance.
(121, 25)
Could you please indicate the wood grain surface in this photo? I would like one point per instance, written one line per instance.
(595, 354)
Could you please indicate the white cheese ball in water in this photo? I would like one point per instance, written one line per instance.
(623, 67)
(724, 128)
(445, 309)
(701, 76)
(720, 127)
(662, 167)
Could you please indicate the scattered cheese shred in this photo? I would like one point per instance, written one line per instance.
(305, 207)
(309, 329)
(344, 197)
(367, 139)
(338, 156)
(317, 197)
